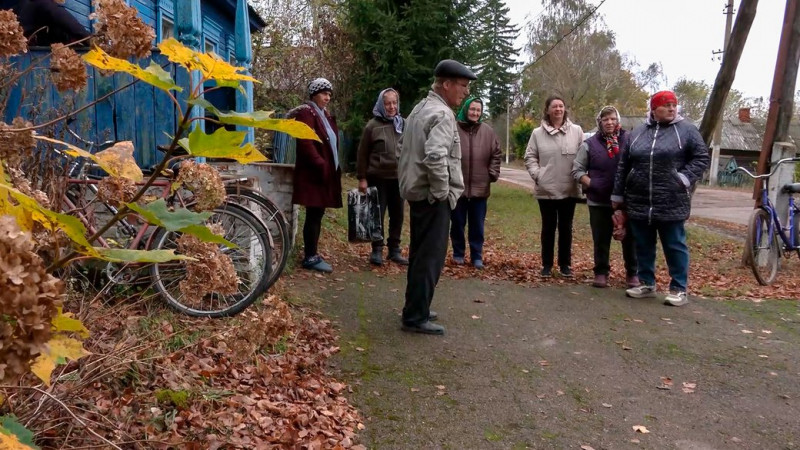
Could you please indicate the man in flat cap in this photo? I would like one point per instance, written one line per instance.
(429, 171)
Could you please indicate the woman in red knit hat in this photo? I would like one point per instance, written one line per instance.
(662, 161)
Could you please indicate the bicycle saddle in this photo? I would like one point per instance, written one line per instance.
(792, 188)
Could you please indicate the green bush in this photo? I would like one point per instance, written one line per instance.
(521, 132)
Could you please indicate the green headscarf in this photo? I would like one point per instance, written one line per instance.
(462, 113)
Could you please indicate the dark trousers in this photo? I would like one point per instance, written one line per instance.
(469, 212)
(676, 252)
(390, 200)
(427, 252)
(311, 230)
(557, 215)
(600, 219)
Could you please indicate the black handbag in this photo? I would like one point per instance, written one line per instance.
(364, 216)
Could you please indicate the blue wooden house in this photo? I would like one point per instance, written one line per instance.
(141, 113)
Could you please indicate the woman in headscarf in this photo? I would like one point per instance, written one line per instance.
(377, 166)
(594, 168)
(548, 158)
(317, 174)
(480, 164)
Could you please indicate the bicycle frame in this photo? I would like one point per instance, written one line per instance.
(789, 243)
(138, 233)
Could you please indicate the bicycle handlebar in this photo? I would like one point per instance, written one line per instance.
(772, 172)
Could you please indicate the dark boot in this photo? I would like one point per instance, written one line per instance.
(396, 256)
(376, 257)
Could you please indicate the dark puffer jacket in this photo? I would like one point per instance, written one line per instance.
(659, 165)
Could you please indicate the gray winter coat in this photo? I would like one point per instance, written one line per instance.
(658, 168)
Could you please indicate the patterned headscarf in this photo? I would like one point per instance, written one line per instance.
(319, 85)
(612, 139)
(379, 111)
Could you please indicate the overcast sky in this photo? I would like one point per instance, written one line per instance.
(681, 34)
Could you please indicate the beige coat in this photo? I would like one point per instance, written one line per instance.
(429, 154)
(549, 158)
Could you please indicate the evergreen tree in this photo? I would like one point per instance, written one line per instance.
(397, 44)
(494, 54)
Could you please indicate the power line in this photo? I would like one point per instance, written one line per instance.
(577, 25)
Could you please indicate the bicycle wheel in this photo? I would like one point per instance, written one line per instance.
(275, 221)
(251, 260)
(763, 247)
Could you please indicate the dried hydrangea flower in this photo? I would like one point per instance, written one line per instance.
(211, 272)
(120, 31)
(116, 190)
(12, 39)
(28, 300)
(21, 182)
(67, 68)
(205, 182)
(16, 145)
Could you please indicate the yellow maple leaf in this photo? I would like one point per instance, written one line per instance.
(57, 350)
(154, 75)
(210, 65)
(118, 161)
(10, 442)
(65, 322)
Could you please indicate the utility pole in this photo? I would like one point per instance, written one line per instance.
(717, 143)
(508, 121)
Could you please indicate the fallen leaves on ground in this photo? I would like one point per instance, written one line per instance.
(640, 429)
(234, 387)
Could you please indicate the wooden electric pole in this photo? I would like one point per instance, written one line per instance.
(727, 71)
(717, 143)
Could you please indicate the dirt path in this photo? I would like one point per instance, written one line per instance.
(563, 366)
(718, 204)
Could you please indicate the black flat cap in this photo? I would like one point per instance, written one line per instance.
(449, 68)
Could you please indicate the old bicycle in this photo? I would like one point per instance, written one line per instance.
(762, 249)
(251, 256)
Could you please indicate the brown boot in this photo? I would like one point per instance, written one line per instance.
(600, 281)
(633, 281)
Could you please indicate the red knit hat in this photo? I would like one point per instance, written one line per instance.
(661, 98)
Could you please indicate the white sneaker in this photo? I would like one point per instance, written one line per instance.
(676, 298)
(642, 291)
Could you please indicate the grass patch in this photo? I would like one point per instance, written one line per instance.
(492, 436)
(178, 399)
(673, 351)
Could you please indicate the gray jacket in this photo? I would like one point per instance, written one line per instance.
(658, 167)
(429, 154)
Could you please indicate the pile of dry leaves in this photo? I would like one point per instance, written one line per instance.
(258, 380)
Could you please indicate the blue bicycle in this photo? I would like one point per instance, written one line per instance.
(762, 249)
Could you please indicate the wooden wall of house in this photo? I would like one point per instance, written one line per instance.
(139, 113)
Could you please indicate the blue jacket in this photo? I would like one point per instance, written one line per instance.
(659, 165)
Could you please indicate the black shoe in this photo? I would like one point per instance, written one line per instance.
(566, 272)
(433, 315)
(424, 328)
(396, 256)
(546, 272)
(376, 257)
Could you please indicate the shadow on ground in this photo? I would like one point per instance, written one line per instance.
(564, 366)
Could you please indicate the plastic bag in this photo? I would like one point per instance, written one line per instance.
(364, 216)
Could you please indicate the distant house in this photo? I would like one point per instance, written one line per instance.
(141, 113)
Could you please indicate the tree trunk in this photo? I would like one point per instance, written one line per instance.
(727, 72)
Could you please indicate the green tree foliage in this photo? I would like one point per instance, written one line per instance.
(521, 132)
(487, 38)
(397, 43)
(574, 55)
